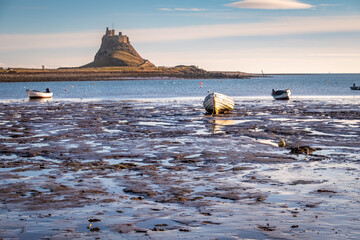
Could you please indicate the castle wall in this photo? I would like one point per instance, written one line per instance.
(110, 35)
(123, 38)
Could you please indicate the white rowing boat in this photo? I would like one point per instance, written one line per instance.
(216, 103)
(281, 94)
(39, 94)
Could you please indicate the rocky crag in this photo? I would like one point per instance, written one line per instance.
(116, 50)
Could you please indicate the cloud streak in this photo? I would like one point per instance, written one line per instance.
(280, 26)
(277, 27)
(182, 9)
(270, 4)
(351, 55)
(10, 42)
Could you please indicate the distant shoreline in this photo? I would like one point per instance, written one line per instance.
(126, 74)
(114, 74)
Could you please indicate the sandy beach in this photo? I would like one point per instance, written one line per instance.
(165, 169)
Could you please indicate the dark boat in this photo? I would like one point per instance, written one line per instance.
(281, 94)
(354, 87)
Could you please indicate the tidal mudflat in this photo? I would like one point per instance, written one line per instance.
(165, 169)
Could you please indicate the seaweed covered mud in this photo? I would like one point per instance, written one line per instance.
(165, 169)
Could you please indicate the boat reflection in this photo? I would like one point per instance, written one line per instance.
(40, 100)
(218, 125)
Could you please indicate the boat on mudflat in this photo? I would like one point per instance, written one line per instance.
(354, 87)
(281, 94)
(215, 103)
(39, 94)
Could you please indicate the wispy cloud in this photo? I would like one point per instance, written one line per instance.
(183, 9)
(334, 55)
(270, 4)
(280, 26)
(34, 7)
(10, 42)
(278, 59)
(276, 27)
(329, 5)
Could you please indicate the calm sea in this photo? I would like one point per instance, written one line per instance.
(301, 85)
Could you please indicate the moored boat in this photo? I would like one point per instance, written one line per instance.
(216, 103)
(354, 87)
(39, 94)
(281, 94)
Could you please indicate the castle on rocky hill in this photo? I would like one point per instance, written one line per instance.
(116, 50)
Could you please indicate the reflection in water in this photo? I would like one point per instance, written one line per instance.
(220, 123)
(40, 100)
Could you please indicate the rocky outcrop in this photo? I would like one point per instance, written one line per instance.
(116, 50)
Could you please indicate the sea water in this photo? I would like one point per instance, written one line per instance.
(118, 89)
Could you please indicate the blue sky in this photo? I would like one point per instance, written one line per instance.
(276, 36)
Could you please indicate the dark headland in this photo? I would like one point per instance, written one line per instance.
(116, 59)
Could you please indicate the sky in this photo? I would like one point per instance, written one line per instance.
(273, 36)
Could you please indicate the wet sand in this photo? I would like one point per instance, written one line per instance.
(165, 169)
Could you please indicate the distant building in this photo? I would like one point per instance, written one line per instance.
(110, 34)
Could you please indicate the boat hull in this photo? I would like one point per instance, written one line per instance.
(355, 88)
(37, 94)
(215, 103)
(282, 94)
